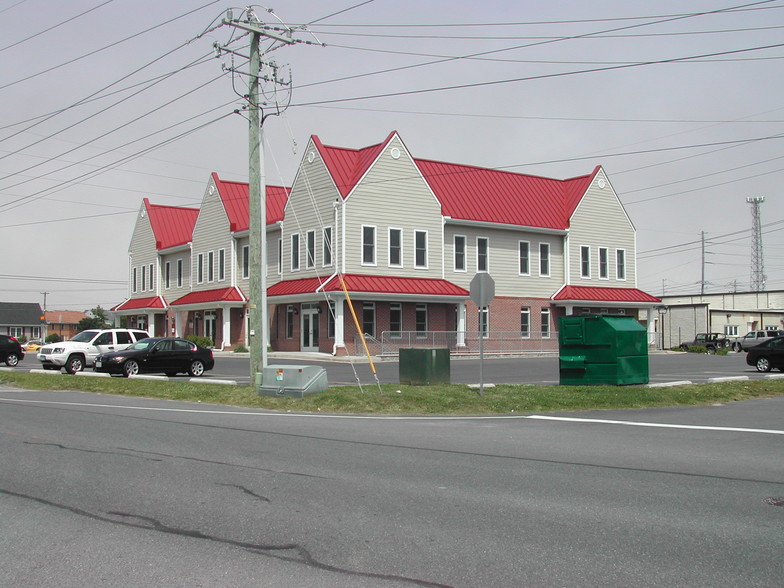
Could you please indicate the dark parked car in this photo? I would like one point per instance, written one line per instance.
(767, 355)
(170, 355)
(10, 350)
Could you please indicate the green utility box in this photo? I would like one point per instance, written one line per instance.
(601, 349)
(419, 366)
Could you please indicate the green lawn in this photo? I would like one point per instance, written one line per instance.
(397, 399)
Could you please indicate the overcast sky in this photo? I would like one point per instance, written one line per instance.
(104, 103)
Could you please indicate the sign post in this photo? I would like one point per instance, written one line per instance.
(482, 292)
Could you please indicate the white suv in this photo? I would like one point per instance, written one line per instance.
(82, 350)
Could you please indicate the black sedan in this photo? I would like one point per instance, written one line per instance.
(767, 355)
(170, 355)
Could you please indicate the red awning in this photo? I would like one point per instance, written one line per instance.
(218, 295)
(152, 302)
(595, 294)
(370, 285)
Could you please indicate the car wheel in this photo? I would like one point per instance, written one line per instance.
(74, 364)
(737, 347)
(130, 368)
(711, 350)
(197, 368)
(12, 360)
(763, 364)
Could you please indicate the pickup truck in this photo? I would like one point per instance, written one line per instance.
(754, 338)
(711, 342)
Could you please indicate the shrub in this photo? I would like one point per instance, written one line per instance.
(53, 338)
(201, 341)
(240, 348)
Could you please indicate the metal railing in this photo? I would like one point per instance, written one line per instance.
(461, 343)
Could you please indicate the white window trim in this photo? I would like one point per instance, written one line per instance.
(485, 311)
(527, 311)
(606, 251)
(625, 265)
(295, 237)
(210, 266)
(487, 255)
(519, 273)
(546, 312)
(389, 247)
(327, 250)
(180, 272)
(310, 260)
(427, 252)
(167, 275)
(200, 268)
(280, 256)
(152, 282)
(539, 260)
(420, 306)
(221, 265)
(585, 248)
(399, 307)
(454, 253)
(245, 254)
(134, 276)
(362, 245)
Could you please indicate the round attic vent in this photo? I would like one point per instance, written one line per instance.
(311, 157)
(601, 183)
(395, 153)
(212, 189)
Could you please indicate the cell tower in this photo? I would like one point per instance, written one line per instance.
(758, 276)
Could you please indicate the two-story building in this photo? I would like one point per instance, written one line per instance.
(400, 238)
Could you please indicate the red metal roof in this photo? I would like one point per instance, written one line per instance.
(234, 196)
(472, 193)
(595, 294)
(370, 285)
(488, 195)
(347, 166)
(171, 225)
(140, 303)
(230, 294)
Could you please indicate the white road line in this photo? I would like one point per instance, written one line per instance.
(402, 417)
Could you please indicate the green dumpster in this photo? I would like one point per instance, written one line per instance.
(421, 366)
(602, 349)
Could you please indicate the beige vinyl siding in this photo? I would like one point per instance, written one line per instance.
(142, 253)
(600, 221)
(210, 234)
(394, 195)
(310, 208)
(503, 260)
(173, 293)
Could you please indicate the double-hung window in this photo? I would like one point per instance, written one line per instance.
(482, 254)
(420, 249)
(544, 259)
(326, 247)
(369, 318)
(604, 270)
(167, 275)
(545, 323)
(211, 266)
(585, 261)
(395, 319)
(396, 247)
(310, 257)
(179, 273)
(245, 262)
(295, 252)
(460, 253)
(421, 320)
(199, 268)
(368, 245)
(524, 255)
(525, 322)
(620, 264)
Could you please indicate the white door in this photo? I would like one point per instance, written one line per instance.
(310, 327)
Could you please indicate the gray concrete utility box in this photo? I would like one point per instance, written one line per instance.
(292, 381)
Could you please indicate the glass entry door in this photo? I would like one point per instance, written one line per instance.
(310, 327)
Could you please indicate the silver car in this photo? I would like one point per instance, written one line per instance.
(754, 338)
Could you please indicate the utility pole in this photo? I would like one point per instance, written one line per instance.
(758, 277)
(257, 190)
(43, 320)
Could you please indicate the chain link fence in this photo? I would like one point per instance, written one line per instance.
(461, 343)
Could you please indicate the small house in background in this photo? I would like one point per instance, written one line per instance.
(21, 319)
(63, 322)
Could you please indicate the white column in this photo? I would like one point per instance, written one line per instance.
(151, 325)
(339, 320)
(651, 328)
(461, 324)
(179, 319)
(226, 326)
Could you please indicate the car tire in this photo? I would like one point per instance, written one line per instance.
(74, 364)
(737, 347)
(711, 350)
(12, 360)
(130, 368)
(197, 368)
(762, 364)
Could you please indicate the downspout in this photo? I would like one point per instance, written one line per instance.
(334, 257)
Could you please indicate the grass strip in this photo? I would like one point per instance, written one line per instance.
(450, 399)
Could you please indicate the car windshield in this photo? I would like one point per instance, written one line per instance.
(84, 336)
(141, 345)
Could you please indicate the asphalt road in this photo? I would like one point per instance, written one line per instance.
(118, 491)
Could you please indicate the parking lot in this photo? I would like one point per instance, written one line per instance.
(664, 368)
